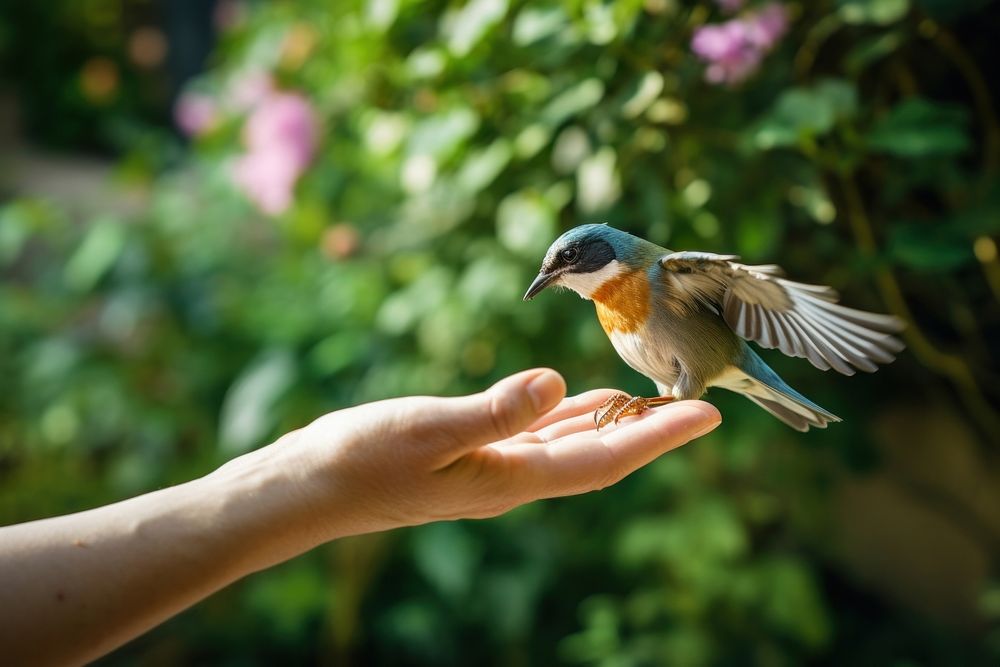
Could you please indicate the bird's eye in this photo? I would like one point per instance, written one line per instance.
(570, 255)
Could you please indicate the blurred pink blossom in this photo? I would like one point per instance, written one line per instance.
(195, 113)
(768, 25)
(249, 88)
(267, 179)
(283, 122)
(734, 49)
(280, 135)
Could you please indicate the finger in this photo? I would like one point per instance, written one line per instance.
(502, 411)
(572, 406)
(580, 424)
(588, 461)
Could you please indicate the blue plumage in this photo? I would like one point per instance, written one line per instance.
(682, 320)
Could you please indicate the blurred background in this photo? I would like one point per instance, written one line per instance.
(220, 220)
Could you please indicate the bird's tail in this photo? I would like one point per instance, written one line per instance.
(760, 384)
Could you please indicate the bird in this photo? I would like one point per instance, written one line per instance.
(685, 319)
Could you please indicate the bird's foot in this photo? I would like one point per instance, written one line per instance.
(622, 405)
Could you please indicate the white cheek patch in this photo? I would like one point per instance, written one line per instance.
(585, 284)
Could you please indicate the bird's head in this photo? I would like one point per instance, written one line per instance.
(583, 259)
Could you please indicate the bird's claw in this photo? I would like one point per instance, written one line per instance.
(609, 409)
(622, 405)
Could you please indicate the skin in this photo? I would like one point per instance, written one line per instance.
(73, 588)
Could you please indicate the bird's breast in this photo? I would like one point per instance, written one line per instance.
(623, 302)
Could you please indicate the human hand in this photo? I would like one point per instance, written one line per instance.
(409, 461)
(102, 576)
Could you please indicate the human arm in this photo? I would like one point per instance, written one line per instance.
(73, 588)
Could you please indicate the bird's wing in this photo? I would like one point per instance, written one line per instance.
(800, 320)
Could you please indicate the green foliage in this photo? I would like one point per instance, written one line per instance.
(458, 139)
(917, 128)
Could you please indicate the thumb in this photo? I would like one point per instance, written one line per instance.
(503, 410)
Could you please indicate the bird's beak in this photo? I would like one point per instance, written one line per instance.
(542, 281)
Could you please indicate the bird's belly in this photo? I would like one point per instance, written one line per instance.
(655, 361)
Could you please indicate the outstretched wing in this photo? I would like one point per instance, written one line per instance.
(800, 320)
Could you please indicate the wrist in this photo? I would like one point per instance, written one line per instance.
(267, 506)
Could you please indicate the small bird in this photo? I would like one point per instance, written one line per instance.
(683, 318)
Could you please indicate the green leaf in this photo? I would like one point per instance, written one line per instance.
(248, 410)
(793, 602)
(918, 128)
(447, 556)
(15, 229)
(534, 24)
(466, 27)
(442, 133)
(482, 166)
(288, 597)
(873, 49)
(573, 101)
(806, 112)
(598, 183)
(642, 93)
(101, 247)
(930, 247)
(526, 223)
(879, 12)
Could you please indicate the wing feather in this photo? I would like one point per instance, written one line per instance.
(799, 319)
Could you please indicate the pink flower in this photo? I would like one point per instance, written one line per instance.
(280, 136)
(268, 180)
(249, 88)
(769, 25)
(283, 122)
(195, 113)
(734, 49)
(731, 55)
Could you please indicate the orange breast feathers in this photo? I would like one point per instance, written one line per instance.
(623, 302)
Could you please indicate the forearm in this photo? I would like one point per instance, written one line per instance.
(73, 588)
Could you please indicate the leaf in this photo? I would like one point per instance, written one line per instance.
(806, 112)
(380, 14)
(439, 135)
(248, 410)
(482, 166)
(289, 597)
(598, 181)
(642, 93)
(466, 27)
(879, 12)
(534, 24)
(338, 351)
(918, 128)
(793, 601)
(930, 247)
(573, 101)
(873, 49)
(526, 223)
(98, 252)
(447, 556)
(15, 229)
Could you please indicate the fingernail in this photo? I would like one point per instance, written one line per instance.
(708, 429)
(545, 390)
